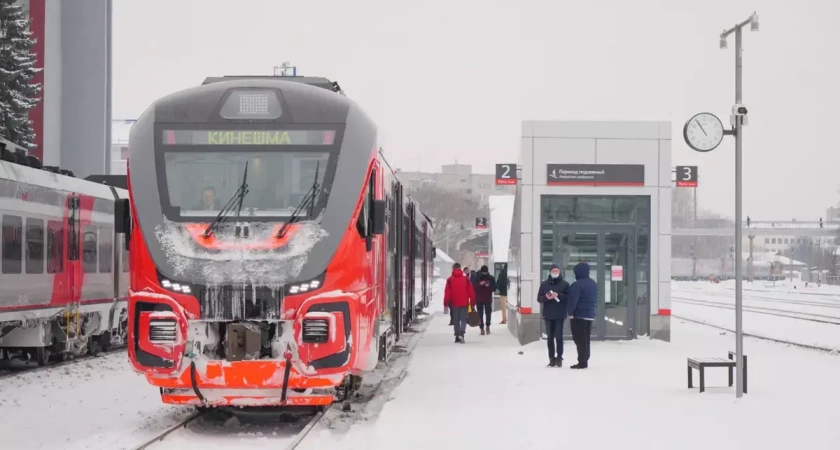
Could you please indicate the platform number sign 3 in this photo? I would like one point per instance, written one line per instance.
(481, 222)
(686, 176)
(505, 174)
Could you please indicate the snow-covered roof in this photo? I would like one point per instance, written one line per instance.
(501, 217)
(787, 261)
(439, 254)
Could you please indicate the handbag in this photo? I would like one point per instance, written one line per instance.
(473, 317)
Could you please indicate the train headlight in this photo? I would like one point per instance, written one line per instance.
(306, 286)
(176, 287)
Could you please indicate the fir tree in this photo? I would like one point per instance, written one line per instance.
(17, 67)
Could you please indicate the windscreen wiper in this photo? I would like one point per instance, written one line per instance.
(237, 199)
(307, 200)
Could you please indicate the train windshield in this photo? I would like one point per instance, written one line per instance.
(201, 175)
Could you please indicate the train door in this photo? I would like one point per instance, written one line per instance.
(428, 268)
(398, 261)
(74, 266)
(410, 267)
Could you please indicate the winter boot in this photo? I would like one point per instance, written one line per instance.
(482, 331)
(552, 363)
(457, 339)
(488, 329)
(559, 362)
(578, 366)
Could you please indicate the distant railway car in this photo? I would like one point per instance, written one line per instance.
(275, 256)
(64, 275)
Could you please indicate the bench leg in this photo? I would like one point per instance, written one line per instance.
(745, 374)
(702, 380)
(731, 378)
(690, 384)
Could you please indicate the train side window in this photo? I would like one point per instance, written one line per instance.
(34, 246)
(12, 244)
(125, 255)
(106, 247)
(89, 255)
(55, 247)
(363, 222)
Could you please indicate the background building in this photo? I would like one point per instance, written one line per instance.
(118, 161)
(457, 177)
(73, 47)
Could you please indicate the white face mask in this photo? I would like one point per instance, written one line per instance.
(555, 275)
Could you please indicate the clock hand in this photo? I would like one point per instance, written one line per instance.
(701, 127)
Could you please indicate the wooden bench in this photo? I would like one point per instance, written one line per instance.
(701, 363)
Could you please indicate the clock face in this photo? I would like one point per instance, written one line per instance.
(703, 132)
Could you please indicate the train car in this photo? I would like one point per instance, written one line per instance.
(275, 256)
(63, 277)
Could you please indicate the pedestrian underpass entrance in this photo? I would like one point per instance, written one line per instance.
(611, 234)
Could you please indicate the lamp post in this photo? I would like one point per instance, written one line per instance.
(738, 118)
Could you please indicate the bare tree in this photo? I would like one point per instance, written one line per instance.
(453, 212)
(682, 216)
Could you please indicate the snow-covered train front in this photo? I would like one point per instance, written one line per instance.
(275, 256)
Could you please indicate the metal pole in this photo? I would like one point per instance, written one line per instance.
(109, 63)
(695, 207)
(739, 136)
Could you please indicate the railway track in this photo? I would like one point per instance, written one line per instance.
(758, 336)
(286, 433)
(749, 296)
(8, 371)
(811, 317)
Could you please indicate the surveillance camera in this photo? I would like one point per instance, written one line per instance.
(739, 110)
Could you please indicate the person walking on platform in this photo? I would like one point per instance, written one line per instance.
(484, 287)
(502, 285)
(582, 301)
(552, 297)
(458, 296)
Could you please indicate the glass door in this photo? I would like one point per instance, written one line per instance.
(610, 253)
(617, 268)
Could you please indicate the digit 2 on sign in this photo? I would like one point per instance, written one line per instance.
(506, 173)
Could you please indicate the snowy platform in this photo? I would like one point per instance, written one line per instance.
(485, 395)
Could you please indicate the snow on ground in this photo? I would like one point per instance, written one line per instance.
(494, 393)
(98, 403)
(824, 301)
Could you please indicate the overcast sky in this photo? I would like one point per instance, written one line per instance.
(447, 80)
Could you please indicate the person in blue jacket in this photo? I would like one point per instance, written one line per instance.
(552, 297)
(581, 305)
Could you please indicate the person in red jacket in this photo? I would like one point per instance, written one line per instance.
(457, 296)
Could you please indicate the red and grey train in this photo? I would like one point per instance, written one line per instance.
(275, 257)
(63, 275)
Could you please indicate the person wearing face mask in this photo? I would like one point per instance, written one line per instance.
(552, 297)
(484, 286)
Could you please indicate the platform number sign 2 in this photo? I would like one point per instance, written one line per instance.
(481, 222)
(505, 174)
(686, 176)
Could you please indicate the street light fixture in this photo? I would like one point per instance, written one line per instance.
(698, 138)
(738, 118)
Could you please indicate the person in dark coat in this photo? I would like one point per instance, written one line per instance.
(552, 297)
(502, 285)
(484, 287)
(457, 296)
(582, 303)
